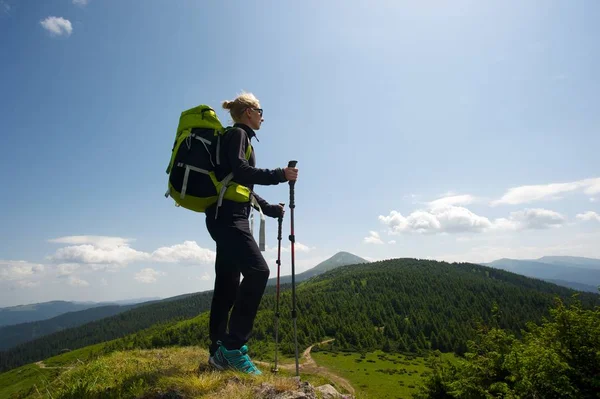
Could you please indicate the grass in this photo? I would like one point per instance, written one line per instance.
(69, 358)
(20, 381)
(378, 374)
(176, 372)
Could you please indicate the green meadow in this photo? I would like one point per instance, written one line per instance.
(32, 378)
(378, 374)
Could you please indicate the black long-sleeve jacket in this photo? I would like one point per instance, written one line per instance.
(233, 159)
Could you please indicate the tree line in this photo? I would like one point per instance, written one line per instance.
(406, 305)
(403, 305)
(559, 358)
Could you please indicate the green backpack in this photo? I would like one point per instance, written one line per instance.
(194, 158)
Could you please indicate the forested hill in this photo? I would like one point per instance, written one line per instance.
(403, 305)
(120, 325)
(410, 304)
(40, 311)
(399, 304)
(11, 336)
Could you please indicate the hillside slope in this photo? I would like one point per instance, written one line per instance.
(40, 311)
(46, 310)
(157, 373)
(11, 336)
(181, 307)
(113, 327)
(399, 305)
(337, 260)
(403, 305)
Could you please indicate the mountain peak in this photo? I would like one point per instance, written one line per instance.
(341, 258)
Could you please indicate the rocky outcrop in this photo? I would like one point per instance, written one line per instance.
(304, 390)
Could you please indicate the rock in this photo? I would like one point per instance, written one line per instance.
(329, 392)
(294, 395)
(304, 391)
(234, 379)
(266, 391)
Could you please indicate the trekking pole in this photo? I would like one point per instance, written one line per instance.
(279, 221)
(292, 164)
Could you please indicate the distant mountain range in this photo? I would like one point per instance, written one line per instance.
(337, 260)
(82, 313)
(578, 273)
(46, 310)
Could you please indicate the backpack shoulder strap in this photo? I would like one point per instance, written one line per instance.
(249, 147)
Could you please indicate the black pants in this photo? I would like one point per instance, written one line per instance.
(237, 252)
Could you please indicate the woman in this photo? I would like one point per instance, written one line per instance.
(237, 251)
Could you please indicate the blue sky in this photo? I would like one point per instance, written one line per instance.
(459, 131)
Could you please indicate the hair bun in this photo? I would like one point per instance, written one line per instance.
(227, 104)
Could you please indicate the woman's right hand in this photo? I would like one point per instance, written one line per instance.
(291, 174)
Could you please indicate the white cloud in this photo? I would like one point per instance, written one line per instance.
(504, 224)
(148, 275)
(373, 238)
(19, 269)
(593, 199)
(109, 253)
(27, 284)
(188, 252)
(204, 277)
(298, 247)
(97, 241)
(588, 216)
(391, 241)
(453, 200)
(525, 194)
(77, 282)
(536, 219)
(81, 3)
(65, 269)
(455, 219)
(57, 26)
(438, 219)
(592, 186)
(119, 255)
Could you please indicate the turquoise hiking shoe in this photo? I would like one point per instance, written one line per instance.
(235, 359)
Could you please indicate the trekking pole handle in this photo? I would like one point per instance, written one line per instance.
(279, 222)
(292, 164)
(292, 183)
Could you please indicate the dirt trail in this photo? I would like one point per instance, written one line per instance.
(308, 365)
(42, 365)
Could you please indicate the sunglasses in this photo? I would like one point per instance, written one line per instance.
(259, 110)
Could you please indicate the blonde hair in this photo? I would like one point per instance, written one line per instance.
(240, 104)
